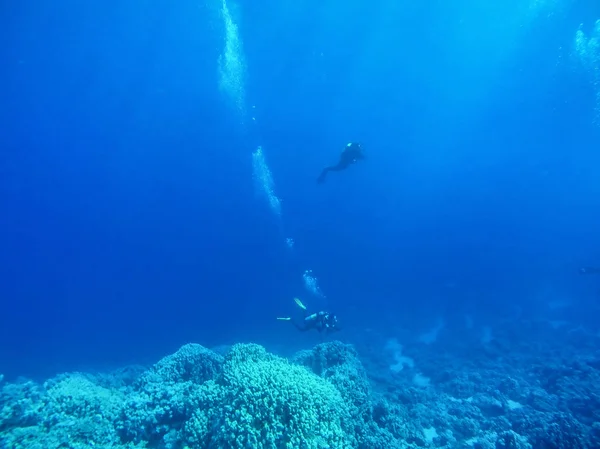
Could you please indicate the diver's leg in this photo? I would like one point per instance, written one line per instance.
(301, 327)
(323, 175)
(338, 167)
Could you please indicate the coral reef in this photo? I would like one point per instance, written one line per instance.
(245, 397)
(197, 398)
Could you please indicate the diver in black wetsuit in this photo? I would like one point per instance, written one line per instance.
(351, 153)
(321, 321)
(589, 270)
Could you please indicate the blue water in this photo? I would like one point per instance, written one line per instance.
(131, 224)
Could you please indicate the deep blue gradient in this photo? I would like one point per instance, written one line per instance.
(129, 223)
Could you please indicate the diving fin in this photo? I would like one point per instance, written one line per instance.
(299, 303)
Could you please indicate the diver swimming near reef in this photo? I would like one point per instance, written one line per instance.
(321, 321)
(589, 270)
(351, 153)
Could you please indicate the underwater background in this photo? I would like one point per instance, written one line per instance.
(158, 166)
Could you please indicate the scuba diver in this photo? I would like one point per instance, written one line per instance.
(589, 270)
(351, 153)
(320, 321)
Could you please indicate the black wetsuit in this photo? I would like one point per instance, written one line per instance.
(320, 321)
(352, 153)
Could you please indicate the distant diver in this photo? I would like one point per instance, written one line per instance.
(589, 270)
(351, 153)
(320, 321)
